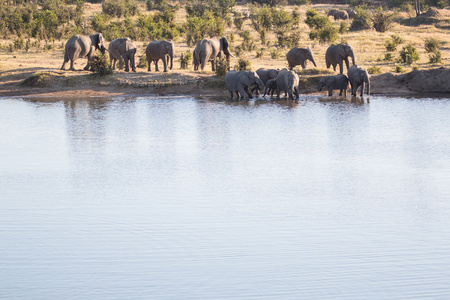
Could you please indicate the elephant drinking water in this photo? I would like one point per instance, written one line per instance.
(123, 50)
(160, 50)
(80, 46)
(240, 82)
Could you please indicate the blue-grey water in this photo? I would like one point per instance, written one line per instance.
(183, 198)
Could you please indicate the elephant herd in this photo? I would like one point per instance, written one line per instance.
(122, 50)
(286, 80)
(238, 82)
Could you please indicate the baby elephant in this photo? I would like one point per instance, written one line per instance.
(241, 82)
(271, 87)
(358, 77)
(336, 82)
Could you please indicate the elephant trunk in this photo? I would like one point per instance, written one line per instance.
(353, 58)
(313, 61)
(260, 84)
(171, 61)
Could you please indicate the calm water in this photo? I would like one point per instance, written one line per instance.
(181, 198)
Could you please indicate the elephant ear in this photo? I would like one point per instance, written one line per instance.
(224, 43)
(100, 41)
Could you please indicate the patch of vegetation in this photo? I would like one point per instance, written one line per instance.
(275, 53)
(399, 69)
(322, 28)
(409, 55)
(243, 64)
(436, 57)
(119, 8)
(432, 45)
(382, 20)
(389, 56)
(142, 63)
(186, 59)
(216, 82)
(100, 65)
(374, 70)
(222, 67)
(362, 20)
(37, 80)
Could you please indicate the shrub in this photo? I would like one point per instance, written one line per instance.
(409, 54)
(436, 57)
(274, 53)
(390, 45)
(37, 79)
(362, 20)
(399, 69)
(382, 20)
(343, 27)
(242, 65)
(142, 62)
(199, 27)
(388, 56)
(314, 20)
(247, 41)
(119, 8)
(260, 53)
(222, 67)
(287, 38)
(328, 34)
(238, 19)
(100, 65)
(431, 45)
(374, 70)
(397, 39)
(186, 59)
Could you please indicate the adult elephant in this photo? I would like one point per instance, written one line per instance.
(358, 77)
(80, 46)
(336, 82)
(287, 81)
(160, 50)
(337, 54)
(351, 13)
(211, 49)
(123, 50)
(338, 14)
(299, 56)
(240, 82)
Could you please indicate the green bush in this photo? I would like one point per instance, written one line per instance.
(119, 8)
(288, 38)
(37, 80)
(142, 62)
(100, 65)
(409, 54)
(314, 20)
(343, 27)
(328, 34)
(382, 20)
(238, 19)
(399, 69)
(431, 45)
(186, 59)
(390, 45)
(198, 27)
(362, 20)
(222, 67)
(242, 65)
(260, 53)
(397, 39)
(274, 53)
(247, 41)
(374, 70)
(388, 56)
(436, 57)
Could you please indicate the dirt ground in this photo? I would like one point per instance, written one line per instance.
(14, 69)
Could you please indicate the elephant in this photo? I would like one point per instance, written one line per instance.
(195, 59)
(157, 50)
(335, 82)
(240, 82)
(338, 14)
(211, 49)
(299, 56)
(287, 81)
(265, 75)
(337, 54)
(79, 46)
(351, 13)
(122, 49)
(271, 87)
(357, 77)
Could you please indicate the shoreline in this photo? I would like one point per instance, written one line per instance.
(435, 82)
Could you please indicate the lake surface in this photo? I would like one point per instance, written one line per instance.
(183, 198)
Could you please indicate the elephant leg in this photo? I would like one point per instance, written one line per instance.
(71, 65)
(362, 88)
(231, 94)
(213, 65)
(341, 67)
(249, 93)
(238, 95)
(86, 68)
(66, 60)
(156, 66)
(127, 65)
(347, 64)
(330, 91)
(297, 95)
(165, 64)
